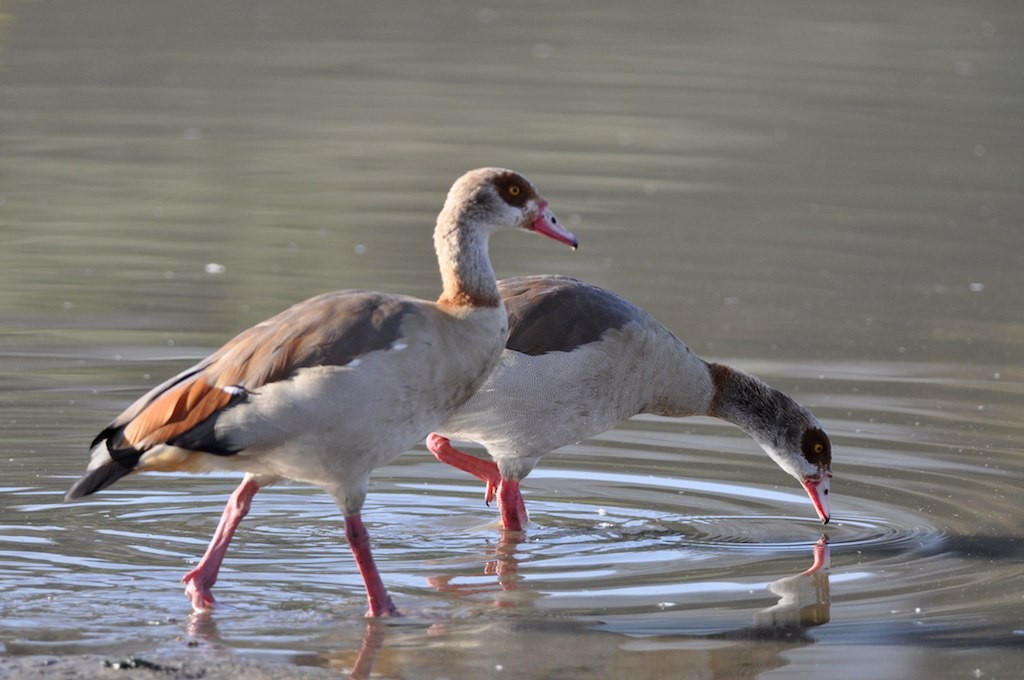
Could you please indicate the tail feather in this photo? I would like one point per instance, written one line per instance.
(103, 471)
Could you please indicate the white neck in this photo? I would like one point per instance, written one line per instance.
(467, 276)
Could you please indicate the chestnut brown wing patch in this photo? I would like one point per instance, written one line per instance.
(331, 329)
(559, 313)
(176, 412)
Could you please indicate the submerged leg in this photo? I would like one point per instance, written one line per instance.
(510, 500)
(511, 505)
(376, 593)
(485, 470)
(200, 580)
(373, 641)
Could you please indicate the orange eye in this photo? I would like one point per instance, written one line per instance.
(514, 190)
(818, 448)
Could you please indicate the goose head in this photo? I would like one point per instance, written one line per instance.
(490, 199)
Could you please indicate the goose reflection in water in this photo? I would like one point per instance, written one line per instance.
(397, 650)
(804, 599)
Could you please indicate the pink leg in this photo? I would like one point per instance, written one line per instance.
(485, 470)
(376, 593)
(200, 580)
(511, 505)
(510, 500)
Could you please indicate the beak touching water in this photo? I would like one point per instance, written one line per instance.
(817, 489)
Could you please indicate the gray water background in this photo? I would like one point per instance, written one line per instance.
(828, 195)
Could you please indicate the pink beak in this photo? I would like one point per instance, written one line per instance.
(817, 489)
(549, 225)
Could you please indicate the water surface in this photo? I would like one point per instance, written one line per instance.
(828, 197)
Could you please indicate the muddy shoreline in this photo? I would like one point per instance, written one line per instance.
(155, 666)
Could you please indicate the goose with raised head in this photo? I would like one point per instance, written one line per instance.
(578, 361)
(334, 386)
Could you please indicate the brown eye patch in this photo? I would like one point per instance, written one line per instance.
(817, 448)
(515, 190)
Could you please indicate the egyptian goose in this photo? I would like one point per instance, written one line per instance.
(578, 361)
(335, 386)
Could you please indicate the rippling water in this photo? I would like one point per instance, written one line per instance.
(828, 197)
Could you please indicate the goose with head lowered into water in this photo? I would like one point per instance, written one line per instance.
(334, 386)
(579, 360)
